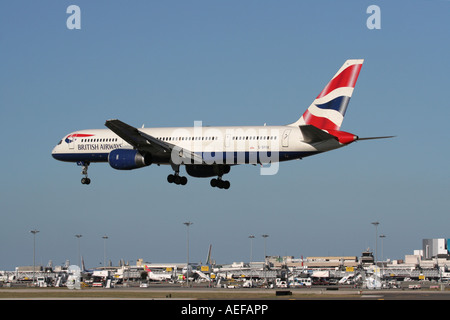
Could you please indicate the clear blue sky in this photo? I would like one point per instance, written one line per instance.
(170, 63)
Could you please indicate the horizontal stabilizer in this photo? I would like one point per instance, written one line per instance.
(312, 134)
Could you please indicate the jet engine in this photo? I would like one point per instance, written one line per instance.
(127, 159)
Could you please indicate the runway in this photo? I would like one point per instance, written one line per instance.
(180, 293)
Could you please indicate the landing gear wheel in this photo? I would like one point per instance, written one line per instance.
(85, 179)
(219, 183)
(175, 178)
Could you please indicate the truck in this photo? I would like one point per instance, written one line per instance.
(281, 283)
(41, 282)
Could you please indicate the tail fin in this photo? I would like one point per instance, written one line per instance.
(208, 257)
(328, 110)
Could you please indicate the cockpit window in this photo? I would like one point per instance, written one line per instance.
(59, 142)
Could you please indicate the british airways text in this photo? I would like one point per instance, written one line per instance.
(96, 146)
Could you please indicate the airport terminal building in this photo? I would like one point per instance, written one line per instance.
(433, 248)
(429, 264)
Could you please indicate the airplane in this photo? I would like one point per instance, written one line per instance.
(84, 271)
(208, 152)
(209, 260)
(158, 276)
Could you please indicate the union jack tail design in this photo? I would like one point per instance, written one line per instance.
(328, 109)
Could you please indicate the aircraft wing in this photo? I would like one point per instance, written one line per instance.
(147, 143)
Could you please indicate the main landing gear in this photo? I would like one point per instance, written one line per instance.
(219, 183)
(201, 171)
(175, 178)
(84, 171)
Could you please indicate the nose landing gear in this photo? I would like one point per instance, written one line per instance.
(84, 171)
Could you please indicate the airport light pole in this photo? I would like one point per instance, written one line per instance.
(105, 237)
(382, 236)
(376, 223)
(265, 236)
(78, 236)
(187, 224)
(34, 232)
(251, 237)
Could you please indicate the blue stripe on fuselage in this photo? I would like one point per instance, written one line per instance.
(84, 157)
(253, 156)
(209, 157)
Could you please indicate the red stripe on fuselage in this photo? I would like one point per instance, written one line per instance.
(80, 135)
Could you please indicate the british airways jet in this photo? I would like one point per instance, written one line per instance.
(212, 151)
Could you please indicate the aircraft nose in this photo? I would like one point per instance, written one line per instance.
(55, 151)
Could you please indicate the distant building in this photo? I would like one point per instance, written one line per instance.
(433, 248)
(327, 262)
(367, 258)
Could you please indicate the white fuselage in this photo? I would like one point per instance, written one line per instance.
(231, 145)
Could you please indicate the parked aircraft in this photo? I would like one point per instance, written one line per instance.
(158, 276)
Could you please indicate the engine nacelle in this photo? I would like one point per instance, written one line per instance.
(205, 171)
(127, 159)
